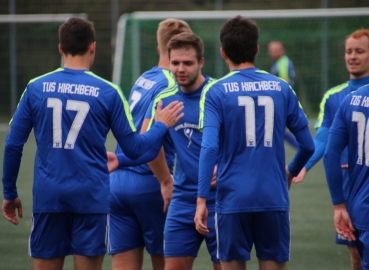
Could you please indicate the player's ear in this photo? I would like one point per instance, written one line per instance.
(60, 49)
(201, 62)
(92, 47)
(222, 53)
(257, 50)
(158, 49)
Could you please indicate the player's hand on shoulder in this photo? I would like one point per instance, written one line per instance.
(113, 162)
(10, 209)
(170, 114)
(300, 177)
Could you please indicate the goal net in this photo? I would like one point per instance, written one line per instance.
(28, 48)
(313, 39)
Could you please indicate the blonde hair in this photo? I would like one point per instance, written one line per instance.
(169, 28)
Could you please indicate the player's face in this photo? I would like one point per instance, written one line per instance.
(185, 66)
(357, 56)
(275, 50)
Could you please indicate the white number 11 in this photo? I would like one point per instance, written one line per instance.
(80, 107)
(249, 104)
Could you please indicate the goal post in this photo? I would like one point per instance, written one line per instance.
(313, 39)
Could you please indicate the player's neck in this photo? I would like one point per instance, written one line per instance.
(164, 62)
(245, 65)
(78, 62)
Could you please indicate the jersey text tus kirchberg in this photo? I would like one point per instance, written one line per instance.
(230, 87)
(71, 88)
(359, 100)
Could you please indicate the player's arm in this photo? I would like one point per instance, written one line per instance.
(332, 165)
(133, 144)
(209, 123)
(158, 165)
(322, 125)
(304, 152)
(21, 126)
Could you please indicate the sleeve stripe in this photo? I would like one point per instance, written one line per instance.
(330, 92)
(122, 97)
(165, 93)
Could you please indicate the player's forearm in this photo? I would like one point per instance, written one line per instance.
(208, 159)
(134, 145)
(332, 166)
(320, 142)
(305, 151)
(12, 160)
(160, 169)
(148, 156)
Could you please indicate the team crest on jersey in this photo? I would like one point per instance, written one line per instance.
(188, 133)
(187, 130)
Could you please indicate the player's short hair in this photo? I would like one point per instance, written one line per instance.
(187, 40)
(75, 35)
(358, 34)
(169, 28)
(239, 38)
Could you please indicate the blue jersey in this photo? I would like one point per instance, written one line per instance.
(71, 112)
(351, 124)
(283, 68)
(186, 140)
(247, 112)
(145, 89)
(328, 109)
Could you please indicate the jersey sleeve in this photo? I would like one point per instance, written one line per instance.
(120, 115)
(296, 118)
(21, 126)
(209, 123)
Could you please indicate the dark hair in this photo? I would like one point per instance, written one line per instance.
(187, 40)
(239, 39)
(75, 35)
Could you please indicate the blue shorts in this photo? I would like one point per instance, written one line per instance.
(60, 234)
(341, 240)
(362, 244)
(180, 236)
(136, 213)
(268, 231)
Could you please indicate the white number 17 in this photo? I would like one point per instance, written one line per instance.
(80, 107)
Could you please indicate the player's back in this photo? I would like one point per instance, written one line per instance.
(354, 112)
(145, 89)
(255, 108)
(71, 112)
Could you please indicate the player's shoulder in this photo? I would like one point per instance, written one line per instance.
(363, 90)
(45, 76)
(156, 78)
(336, 89)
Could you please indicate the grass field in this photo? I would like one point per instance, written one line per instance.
(312, 231)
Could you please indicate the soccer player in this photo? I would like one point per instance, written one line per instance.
(243, 117)
(71, 111)
(357, 64)
(283, 68)
(138, 197)
(181, 240)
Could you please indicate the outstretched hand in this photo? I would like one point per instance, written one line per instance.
(170, 114)
(9, 210)
(300, 177)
